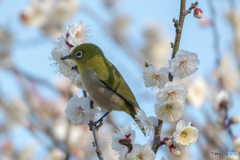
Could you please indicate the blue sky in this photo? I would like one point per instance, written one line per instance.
(31, 48)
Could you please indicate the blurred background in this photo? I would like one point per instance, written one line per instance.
(33, 97)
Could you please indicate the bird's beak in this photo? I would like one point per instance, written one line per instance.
(67, 57)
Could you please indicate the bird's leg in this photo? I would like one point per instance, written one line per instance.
(100, 120)
(102, 117)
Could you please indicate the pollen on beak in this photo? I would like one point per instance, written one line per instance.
(67, 57)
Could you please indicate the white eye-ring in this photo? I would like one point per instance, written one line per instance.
(79, 54)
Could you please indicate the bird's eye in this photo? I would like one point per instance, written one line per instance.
(79, 54)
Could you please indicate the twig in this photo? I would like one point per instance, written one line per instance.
(156, 140)
(179, 26)
(95, 136)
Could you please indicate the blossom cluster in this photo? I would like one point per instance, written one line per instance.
(122, 144)
(78, 109)
(76, 35)
(171, 96)
(184, 136)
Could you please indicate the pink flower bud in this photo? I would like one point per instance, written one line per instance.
(198, 13)
(167, 141)
(175, 150)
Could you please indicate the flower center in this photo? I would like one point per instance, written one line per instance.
(156, 77)
(182, 64)
(78, 34)
(80, 110)
(169, 106)
(172, 96)
(183, 134)
(140, 156)
(184, 68)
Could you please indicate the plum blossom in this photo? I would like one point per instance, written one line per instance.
(172, 92)
(148, 122)
(77, 33)
(155, 77)
(184, 64)
(169, 111)
(125, 135)
(79, 111)
(185, 135)
(140, 152)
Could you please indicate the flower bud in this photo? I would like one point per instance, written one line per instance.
(167, 141)
(175, 150)
(235, 119)
(198, 13)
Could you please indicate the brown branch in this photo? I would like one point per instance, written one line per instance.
(95, 136)
(179, 26)
(156, 140)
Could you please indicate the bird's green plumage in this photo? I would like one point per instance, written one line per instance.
(94, 63)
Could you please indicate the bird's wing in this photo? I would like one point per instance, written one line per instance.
(114, 81)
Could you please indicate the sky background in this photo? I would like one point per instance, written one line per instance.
(31, 52)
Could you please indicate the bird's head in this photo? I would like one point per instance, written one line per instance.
(83, 53)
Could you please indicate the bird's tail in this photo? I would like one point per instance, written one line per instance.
(140, 124)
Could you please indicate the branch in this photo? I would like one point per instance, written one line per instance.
(95, 136)
(179, 26)
(156, 140)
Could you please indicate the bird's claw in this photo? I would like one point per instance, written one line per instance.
(95, 124)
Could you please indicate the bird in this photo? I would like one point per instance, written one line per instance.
(103, 82)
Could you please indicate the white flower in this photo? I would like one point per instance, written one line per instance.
(65, 67)
(123, 135)
(140, 152)
(236, 144)
(78, 82)
(169, 111)
(185, 135)
(184, 64)
(148, 122)
(77, 33)
(79, 111)
(221, 100)
(172, 92)
(197, 91)
(176, 148)
(155, 77)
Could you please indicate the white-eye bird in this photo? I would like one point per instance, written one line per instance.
(103, 82)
